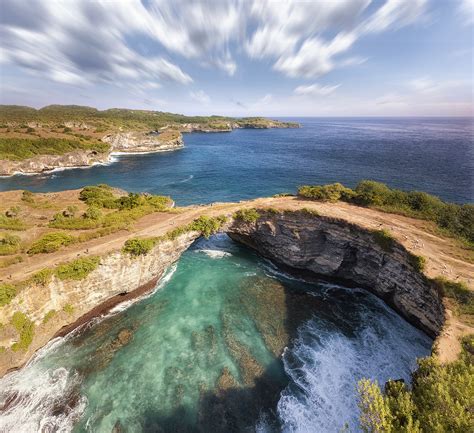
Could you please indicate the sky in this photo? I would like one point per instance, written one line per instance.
(241, 57)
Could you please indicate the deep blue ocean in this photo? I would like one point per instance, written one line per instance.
(430, 154)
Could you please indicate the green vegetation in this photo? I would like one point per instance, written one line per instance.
(42, 277)
(247, 215)
(25, 328)
(7, 223)
(9, 244)
(460, 294)
(207, 225)
(441, 399)
(77, 269)
(101, 196)
(138, 247)
(51, 242)
(7, 293)
(453, 219)
(16, 149)
(332, 192)
(69, 309)
(8, 261)
(48, 316)
(384, 239)
(418, 262)
(27, 196)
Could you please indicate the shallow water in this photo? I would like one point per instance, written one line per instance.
(203, 353)
(429, 154)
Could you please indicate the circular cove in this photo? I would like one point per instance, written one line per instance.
(226, 343)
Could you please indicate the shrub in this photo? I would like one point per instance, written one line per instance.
(51, 242)
(332, 192)
(371, 193)
(93, 213)
(138, 247)
(8, 261)
(11, 223)
(418, 262)
(7, 293)
(101, 196)
(207, 225)
(439, 401)
(247, 215)
(458, 292)
(27, 196)
(9, 244)
(48, 316)
(26, 330)
(384, 239)
(42, 277)
(29, 130)
(77, 269)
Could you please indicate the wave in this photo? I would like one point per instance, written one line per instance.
(325, 364)
(215, 254)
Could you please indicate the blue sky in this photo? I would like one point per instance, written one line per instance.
(238, 57)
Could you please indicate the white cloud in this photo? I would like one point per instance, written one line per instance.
(200, 96)
(315, 90)
(466, 10)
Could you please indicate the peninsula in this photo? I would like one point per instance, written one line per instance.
(55, 137)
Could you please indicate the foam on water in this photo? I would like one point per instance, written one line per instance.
(325, 365)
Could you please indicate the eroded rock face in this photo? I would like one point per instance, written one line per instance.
(336, 249)
(142, 142)
(42, 163)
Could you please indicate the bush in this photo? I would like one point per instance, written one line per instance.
(42, 277)
(93, 213)
(418, 262)
(11, 223)
(384, 239)
(247, 215)
(100, 196)
(9, 244)
(207, 225)
(51, 242)
(440, 400)
(7, 293)
(332, 192)
(26, 330)
(458, 292)
(138, 247)
(77, 269)
(69, 309)
(8, 261)
(371, 193)
(27, 196)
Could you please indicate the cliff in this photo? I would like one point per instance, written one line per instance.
(136, 142)
(73, 301)
(336, 249)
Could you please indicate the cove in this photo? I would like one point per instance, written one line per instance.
(225, 343)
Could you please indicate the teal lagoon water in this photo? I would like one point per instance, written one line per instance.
(226, 343)
(429, 154)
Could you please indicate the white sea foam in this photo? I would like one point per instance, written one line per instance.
(325, 365)
(215, 254)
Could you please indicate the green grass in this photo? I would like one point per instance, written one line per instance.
(77, 269)
(25, 328)
(452, 219)
(69, 309)
(418, 262)
(7, 223)
(7, 293)
(51, 242)
(459, 293)
(8, 261)
(48, 316)
(384, 239)
(247, 215)
(42, 277)
(9, 244)
(17, 149)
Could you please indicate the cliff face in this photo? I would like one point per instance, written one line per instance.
(42, 163)
(336, 249)
(143, 142)
(117, 274)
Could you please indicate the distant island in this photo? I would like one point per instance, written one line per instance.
(67, 136)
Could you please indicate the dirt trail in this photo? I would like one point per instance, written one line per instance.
(444, 257)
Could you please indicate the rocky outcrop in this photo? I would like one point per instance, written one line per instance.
(117, 275)
(336, 249)
(41, 163)
(143, 142)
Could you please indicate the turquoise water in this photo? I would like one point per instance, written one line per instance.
(226, 343)
(428, 154)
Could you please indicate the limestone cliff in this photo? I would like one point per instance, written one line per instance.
(340, 250)
(117, 274)
(144, 142)
(41, 163)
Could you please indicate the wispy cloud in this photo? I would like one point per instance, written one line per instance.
(315, 90)
(200, 96)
